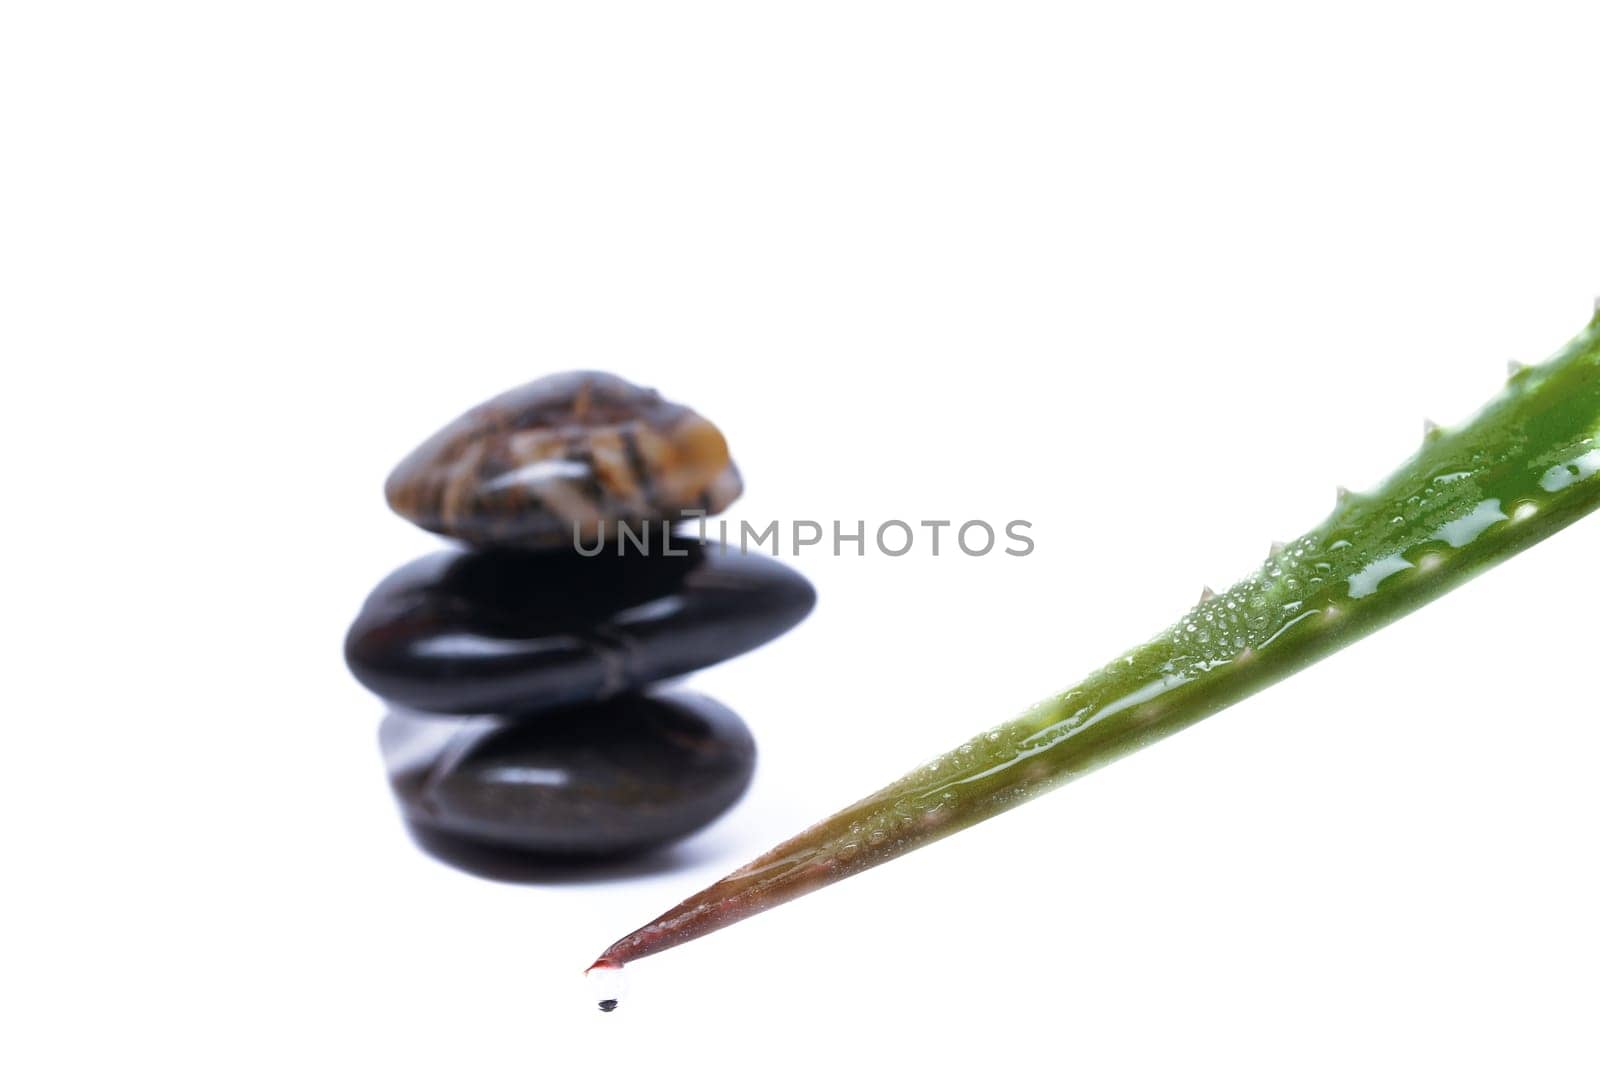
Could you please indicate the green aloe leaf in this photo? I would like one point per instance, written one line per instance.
(1525, 466)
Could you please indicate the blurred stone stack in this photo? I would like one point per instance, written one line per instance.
(518, 668)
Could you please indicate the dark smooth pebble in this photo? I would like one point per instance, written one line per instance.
(508, 632)
(591, 782)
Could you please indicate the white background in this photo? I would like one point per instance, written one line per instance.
(1154, 276)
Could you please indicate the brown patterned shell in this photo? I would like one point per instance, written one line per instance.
(567, 455)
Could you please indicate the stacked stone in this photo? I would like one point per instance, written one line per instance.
(518, 668)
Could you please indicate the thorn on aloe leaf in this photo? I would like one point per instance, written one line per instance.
(1430, 429)
(1276, 549)
(1341, 494)
(1207, 594)
(1514, 368)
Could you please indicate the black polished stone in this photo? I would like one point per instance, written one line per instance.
(508, 632)
(592, 782)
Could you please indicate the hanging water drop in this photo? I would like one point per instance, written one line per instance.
(607, 983)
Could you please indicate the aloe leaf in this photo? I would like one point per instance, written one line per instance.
(1525, 466)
